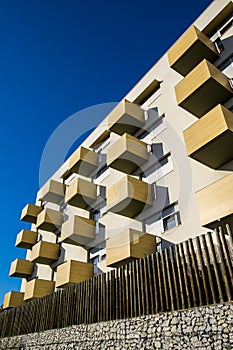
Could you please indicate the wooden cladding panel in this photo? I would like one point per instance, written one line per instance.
(202, 89)
(26, 239)
(38, 288)
(128, 245)
(49, 220)
(83, 161)
(81, 193)
(78, 230)
(45, 252)
(190, 50)
(126, 117)
(215, 202)
(129, 196)
(13, 299)
(209, 140)
(72, 272)
(127, 154)
(21, 268)
(30, 213)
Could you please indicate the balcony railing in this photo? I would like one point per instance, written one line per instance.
(209, 140)
(78, 230)
(26, 239)
(45, 252)
(126, 117)
(129, 196)
(127, 154)
(72, 272)
(21, 268)
(190, 50)
(127, 246)
(202, 89)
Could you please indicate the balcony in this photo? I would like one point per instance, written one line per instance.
(210, 139)
(45, 252)
(215, 203)
(81, 193)
(83, 161)
(127, 246)
(71, 272)
(38, 288)
(49, 220)
(127, 154)
(13, 299)
(53, 191)
(78, 230)
(190, 50)
(30, 213)
(126, 117)
(202, 89)
(21, 268)
(26, 239)
(129, 196)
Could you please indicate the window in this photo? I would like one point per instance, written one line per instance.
(95, 261)
(95, 215)
(219, 45)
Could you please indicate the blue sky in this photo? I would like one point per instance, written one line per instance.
(58, 57)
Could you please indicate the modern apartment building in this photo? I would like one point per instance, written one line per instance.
(158, 170)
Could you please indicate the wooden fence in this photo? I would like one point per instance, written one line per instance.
(193, 273)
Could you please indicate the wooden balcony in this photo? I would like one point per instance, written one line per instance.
(26, 239)
(13, 299)
(30, 213)
(209, 140)
(202, 89)
(127, 154)
(45, 252)
(53, 191)
(83, 161)
(21, 268)
(71, 272)
(103, 136)
(126, 117)
(78, 230)
(127, 246)
(81, 193)
(215, 202)
(49, 220)
(129, 196)
(38, 288)
(188, 51)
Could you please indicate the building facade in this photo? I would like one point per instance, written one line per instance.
(156, 171)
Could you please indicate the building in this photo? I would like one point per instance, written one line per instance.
(156, 171)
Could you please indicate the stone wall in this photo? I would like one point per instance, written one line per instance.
(203, 328)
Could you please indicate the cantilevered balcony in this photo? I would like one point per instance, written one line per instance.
(81, 193)
(127, 246)
(44, 252)
(126, 117)
(127, 154)
(78, 230)
(26, 239)
(190, 50)
(202, 89)
(53, 191)
(21, 268)
(49, 220)
(30, 213)
(72, 271)
(102, 136)
(38, 288)
(13, 299)
(209, 140)
(129, 196)
(83, 161)
(215, 202)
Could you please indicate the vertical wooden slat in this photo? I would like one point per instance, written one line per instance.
(164, 280)
(136, 309)
(190, 273)
(205, 253)
(229, 262)
(154, 282)
(138, 284)
(175, 279)
(229, 231)
(140, 265)
(167, 260)
(160, 288)
(145, 284)
(186, 279)
(202, 269)
(180, 276)
(196, 272)
(150, 284)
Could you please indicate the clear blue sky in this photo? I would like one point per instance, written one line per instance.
(57, 57)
